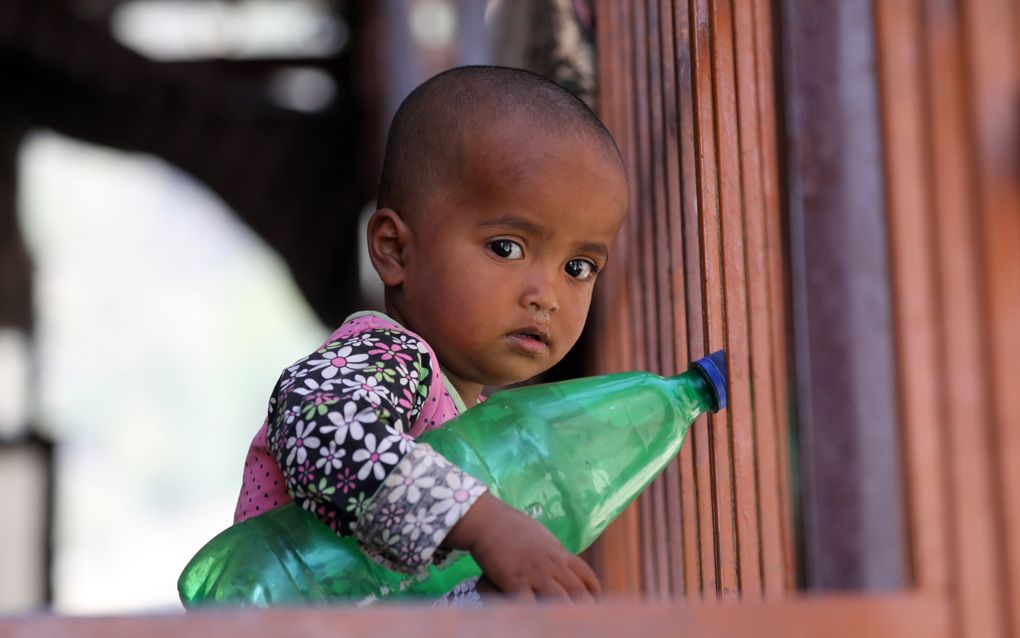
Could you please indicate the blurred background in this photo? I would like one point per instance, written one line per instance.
(181, 188)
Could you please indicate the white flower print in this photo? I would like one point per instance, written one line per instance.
(388, 543)
(331, 456)
(406, 440)
(363, 339)
(294, 486)
(339, 361)
(296, 366)
(309, 505)
(418, 522)
(408, 375)
(367, 389)
(301, 442)
(350, 420)
(412, 554)
(295, 372)
(410, 343)
(389, 515)
(410, 485)
(453, 498)
(376, 457)
(311, 385)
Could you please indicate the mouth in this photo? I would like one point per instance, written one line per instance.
(530, 340)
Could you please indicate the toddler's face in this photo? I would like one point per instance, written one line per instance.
(500, 271)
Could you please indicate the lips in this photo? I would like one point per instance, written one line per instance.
(530, 339)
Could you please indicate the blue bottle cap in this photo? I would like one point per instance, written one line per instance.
(713, 368)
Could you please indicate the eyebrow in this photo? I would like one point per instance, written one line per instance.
(514, 222)
(530, 227)
(598, 249)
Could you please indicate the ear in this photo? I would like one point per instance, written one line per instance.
(388, 236)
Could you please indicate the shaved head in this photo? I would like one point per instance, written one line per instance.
(430, 139)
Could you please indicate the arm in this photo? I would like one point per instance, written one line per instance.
(339, 439)
(520, 556)
(337, 427)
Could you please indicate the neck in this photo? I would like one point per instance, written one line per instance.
(468, 391)
(392, 310)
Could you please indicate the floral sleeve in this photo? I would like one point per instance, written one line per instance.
(337, 428)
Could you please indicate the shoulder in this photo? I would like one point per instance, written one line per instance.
(366, 343)
(369, 362)
(379, 337)
(371, 349)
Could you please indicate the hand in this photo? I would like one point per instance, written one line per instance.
(519, 556)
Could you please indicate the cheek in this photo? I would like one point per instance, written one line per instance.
(574, 314)
(475, 285)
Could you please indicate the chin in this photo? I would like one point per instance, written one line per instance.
(505, 377)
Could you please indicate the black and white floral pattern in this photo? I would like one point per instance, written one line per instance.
(337, 428)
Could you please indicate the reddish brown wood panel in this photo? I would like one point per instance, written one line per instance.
(914, 283)
(950, 82)
(775, 424)
(757, 260)
(832, 617)
(686, 88)
(991, 36)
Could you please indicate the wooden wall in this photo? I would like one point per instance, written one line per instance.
(687, 89)
(950, 95)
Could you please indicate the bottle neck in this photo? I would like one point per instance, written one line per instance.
(694, 393)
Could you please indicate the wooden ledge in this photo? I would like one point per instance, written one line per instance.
(902, 614)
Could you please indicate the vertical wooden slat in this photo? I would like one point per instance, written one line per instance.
(631, 229)
(964, 123)
(764, 428)
(636, 357)
(618, 550)
(696, 507)
(776, 262)
(687, 262)
(698, 504)
(991, 29)
(704, 163)
(738, 414)
(718, 469)
(914, 285)
(969, 431)
(678, 539)
(659, 212)
(663, 292)
(645, 263)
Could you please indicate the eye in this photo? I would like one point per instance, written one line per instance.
(581, 269)
(506, 249)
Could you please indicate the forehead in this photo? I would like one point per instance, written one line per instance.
(560, 176)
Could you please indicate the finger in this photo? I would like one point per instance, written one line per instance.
(551, 589)
(576, 588)
(587, 576)
(486, 586)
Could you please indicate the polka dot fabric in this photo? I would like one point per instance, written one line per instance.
(263, 487)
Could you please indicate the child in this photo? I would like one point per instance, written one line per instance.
(500, 196)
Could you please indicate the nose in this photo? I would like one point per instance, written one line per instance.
(539, 292)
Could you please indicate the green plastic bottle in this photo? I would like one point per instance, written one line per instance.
(572, 455)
